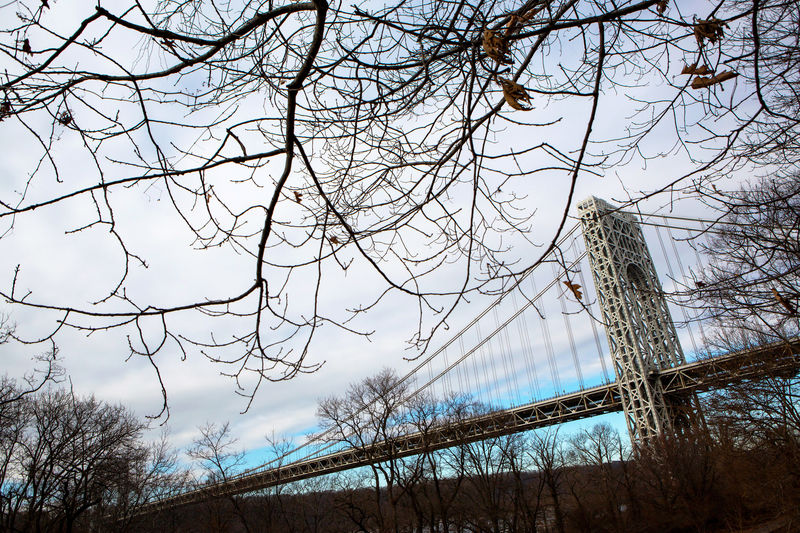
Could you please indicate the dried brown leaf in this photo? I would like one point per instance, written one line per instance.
(710, 30)
(784, 302)
(701, 82)
(575, 288)
(496, 47)
(516, 20)
(515, 94)
(693, 69)
(512, 24)
(725, 75)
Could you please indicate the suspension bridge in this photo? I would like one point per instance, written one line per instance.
(518, 364)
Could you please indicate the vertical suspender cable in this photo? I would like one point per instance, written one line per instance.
(674, 280)
(491, 388)
(570, 337)
(527, 351)
(548, 343)
(445, 381)
(513, 366)
(703, 230)
(685, 279)
(551, 360)
(476, 388)
(592, 321)
(510, 376)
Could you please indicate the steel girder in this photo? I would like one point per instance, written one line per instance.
(776, 359)
(581, 404)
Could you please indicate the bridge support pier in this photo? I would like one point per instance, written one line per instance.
(638, 324)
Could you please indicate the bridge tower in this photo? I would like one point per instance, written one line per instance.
(638, 324)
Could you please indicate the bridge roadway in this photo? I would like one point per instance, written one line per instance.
(702, 375)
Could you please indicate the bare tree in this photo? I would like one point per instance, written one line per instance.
(216, 453)
(680, 482)
(751, 293)
(760, 411)
(314, 139)
(601, 448)
(312, 508)
(153, 473)
(445, 472)
(526, 502)
(65, 456)
(486, 491)
(751, 288)
(274, 503)
(771, 40)
(14, 419)
(547, 456)
(372, 412)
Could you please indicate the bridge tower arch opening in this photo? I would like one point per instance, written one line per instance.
(638, 324)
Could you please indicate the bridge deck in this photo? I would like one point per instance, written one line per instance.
(696, 376)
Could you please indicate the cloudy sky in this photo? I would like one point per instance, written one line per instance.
(60, 266)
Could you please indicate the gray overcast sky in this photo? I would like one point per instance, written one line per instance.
(81, 267)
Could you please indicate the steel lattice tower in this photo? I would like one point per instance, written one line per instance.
(638, 324)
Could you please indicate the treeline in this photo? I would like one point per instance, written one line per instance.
(687, 485)
(76, 464)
